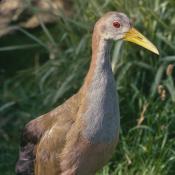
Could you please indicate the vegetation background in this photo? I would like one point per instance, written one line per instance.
(41, 68)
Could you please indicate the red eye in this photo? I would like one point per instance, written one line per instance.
(116, 24)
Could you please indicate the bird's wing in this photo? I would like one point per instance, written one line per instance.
(35, 132)
(31, 135)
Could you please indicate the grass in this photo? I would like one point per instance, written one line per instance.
(40, 69)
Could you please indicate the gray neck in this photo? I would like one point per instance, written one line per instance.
(102, 114)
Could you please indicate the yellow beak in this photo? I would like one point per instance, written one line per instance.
(136, 37)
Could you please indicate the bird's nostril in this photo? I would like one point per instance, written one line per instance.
(139, 37)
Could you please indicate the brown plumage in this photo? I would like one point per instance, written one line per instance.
(80, 136)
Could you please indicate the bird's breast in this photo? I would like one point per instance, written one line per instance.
(102, 113)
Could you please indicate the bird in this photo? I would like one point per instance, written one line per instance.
(80, 136)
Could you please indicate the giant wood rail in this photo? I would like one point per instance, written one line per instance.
(79, 136)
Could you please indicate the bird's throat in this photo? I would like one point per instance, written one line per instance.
(100, 56)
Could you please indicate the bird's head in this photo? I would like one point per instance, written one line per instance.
(115, 26)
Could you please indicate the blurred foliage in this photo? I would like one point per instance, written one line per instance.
(41, 68)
